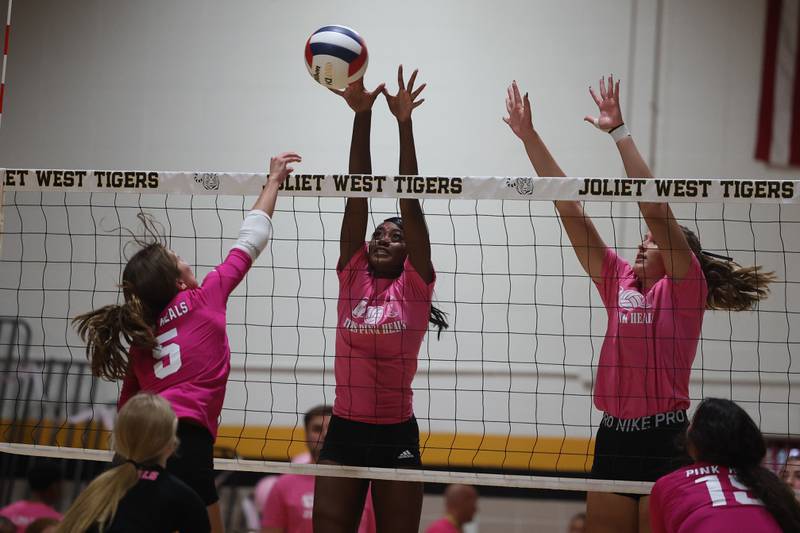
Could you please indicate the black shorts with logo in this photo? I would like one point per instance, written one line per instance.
(193, 461)
(640, 449)
(372, 445)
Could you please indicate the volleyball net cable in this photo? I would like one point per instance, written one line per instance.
(504, 397)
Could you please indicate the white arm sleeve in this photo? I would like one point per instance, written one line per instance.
(255, 233)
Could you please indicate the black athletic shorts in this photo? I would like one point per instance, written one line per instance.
(640, 449)
(373, 445)
(193, 462)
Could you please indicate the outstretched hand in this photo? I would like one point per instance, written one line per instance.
(357, 97)
(519, 118)
(608, 105)
(279, 168)
(405, 101)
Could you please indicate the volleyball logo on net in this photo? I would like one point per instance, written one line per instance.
(209, 180)
(523, 186)
(631, 299)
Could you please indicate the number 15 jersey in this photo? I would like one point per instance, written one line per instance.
(191, 363)
(703, 498)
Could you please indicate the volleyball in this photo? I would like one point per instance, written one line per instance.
(336, 56)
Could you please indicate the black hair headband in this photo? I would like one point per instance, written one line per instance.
(716, 256)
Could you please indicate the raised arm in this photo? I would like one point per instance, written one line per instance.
(279, 170)
(418, 243)
(665, 230)
(586, 241)
(256, 229)
(356, 210)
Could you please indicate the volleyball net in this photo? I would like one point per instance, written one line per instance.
(504, 397)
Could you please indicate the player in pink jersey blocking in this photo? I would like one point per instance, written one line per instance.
(176, 331)
(290, 504)
(385, 290)
(655, 312)
(726, 489)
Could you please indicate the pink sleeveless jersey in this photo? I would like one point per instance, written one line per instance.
(703, 497)
(651, 340)
(381, 324)
(191, 365)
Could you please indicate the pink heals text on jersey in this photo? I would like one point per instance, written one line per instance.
(172, 312)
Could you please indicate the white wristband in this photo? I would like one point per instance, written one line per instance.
(620, 132)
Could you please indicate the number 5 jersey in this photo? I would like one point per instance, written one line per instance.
(191, 363)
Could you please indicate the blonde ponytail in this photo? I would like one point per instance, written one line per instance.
(98, 503)
(144, 433)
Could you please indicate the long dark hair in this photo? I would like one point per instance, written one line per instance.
(437, 317)
(723, 433)
(148, 285)
(730, 286)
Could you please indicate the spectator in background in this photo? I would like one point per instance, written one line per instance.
(44, 480)
(43, 525)
(790, 473)
(577, 524)
(460, 505)
(290, 503)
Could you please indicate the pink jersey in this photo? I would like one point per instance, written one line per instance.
(191, 365)
(23, 512)
(290, 506)
(443, 525)
(650, 342)
(703, 497)
(381, 326)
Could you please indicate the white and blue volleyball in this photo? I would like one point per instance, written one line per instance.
(336, 56)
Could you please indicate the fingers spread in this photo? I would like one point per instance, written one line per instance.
(419, 90)
(594, 96)
(380, 88)
(412, 79)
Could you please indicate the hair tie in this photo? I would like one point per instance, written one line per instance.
(135, 464)
(716, 256)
